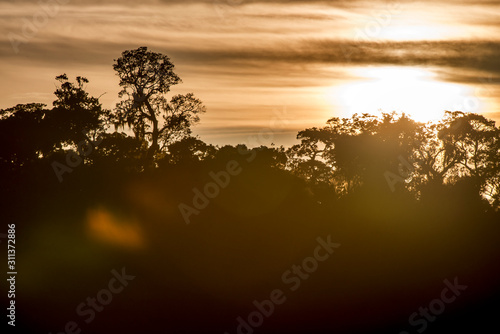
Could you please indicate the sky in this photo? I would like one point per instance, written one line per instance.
(265, 69)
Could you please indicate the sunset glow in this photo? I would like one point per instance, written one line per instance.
(245, 58)
(413, 91)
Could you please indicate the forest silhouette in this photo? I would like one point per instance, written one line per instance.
(208, 229)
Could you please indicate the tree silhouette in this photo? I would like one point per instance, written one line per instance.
(76, 115)
(145, 78)
(308, 159)
(347, 155)
(35, 132)
(23, 135)
(117, 150)
(189, 150)
(352, 153)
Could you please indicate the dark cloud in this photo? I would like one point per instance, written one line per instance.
(472, 58)
(479, 57)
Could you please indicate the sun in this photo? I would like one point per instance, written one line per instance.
(414, 91)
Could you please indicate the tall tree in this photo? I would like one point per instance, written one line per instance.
(146, 77)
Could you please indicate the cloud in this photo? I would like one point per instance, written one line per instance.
(235, 53)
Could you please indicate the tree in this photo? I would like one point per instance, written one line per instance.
(76, 114)
(34, 132)
(307, 159)
(23, 135)
(472, 139)
(117, 150)
(146, 77)
(189, 150)
(350, 152)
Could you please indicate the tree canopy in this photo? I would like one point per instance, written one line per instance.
(389, 153)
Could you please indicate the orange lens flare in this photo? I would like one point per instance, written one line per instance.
(106, 227)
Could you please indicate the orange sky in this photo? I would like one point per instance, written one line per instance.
(249, 61)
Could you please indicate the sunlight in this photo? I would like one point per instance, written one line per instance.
(413, 25)
(405, 32)
(402, 89)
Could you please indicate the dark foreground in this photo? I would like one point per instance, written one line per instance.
(110, 252)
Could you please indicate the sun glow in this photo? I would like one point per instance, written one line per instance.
(405, 32)
(402, 89)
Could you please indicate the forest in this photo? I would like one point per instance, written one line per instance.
(210, 231)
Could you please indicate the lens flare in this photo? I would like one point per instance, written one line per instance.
(105, 227)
